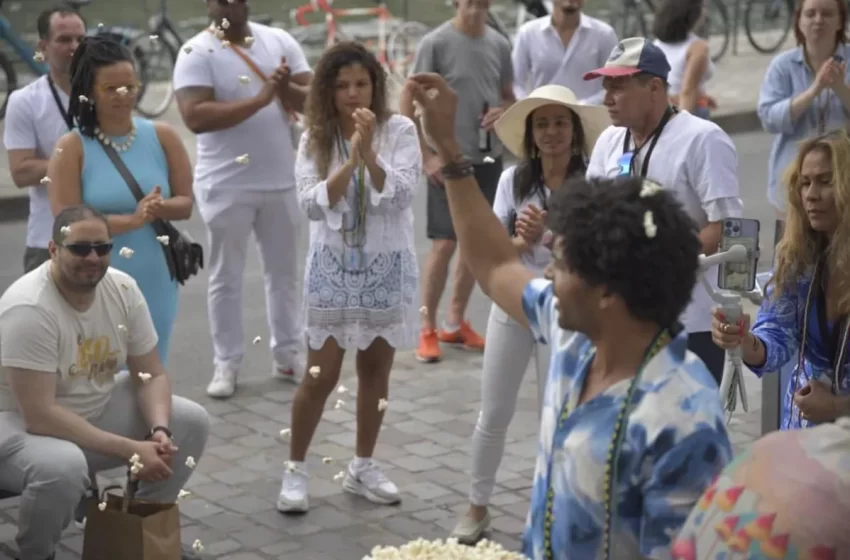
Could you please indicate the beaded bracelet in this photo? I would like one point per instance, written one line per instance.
(460, 168)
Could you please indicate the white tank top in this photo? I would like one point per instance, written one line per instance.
(677, 54)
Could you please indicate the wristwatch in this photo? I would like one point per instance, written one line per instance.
(162, 429)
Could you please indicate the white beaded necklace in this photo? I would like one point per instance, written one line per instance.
(118, 146)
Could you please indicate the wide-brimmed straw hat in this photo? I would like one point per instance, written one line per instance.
(511, 127)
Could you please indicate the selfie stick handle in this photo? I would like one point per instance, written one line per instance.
(732, 384)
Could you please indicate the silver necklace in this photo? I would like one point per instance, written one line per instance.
(118, 146)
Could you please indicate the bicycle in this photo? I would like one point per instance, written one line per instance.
(771, 13)
(155, 52)
(632, 23)
(526, 10)
(397, 42)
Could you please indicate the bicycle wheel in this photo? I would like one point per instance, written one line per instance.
(401, 46)
(776, 15)
(8, 85)
(155, 60)
(717, 30)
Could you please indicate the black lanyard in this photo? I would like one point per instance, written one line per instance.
(65, 116)
(668, 114)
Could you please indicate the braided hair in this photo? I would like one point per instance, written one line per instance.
(94, 52)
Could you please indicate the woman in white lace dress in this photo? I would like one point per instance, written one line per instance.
(357, 169)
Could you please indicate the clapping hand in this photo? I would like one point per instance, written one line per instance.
(149, 208)
(531, 224)
(364, 122)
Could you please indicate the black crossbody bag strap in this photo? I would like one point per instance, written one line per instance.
(65, 116)
(160, 227)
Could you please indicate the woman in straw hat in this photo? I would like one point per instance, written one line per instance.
(552, 135)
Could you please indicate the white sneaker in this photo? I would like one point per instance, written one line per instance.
(468, 531)
(223, 383)
(371, 483)
(293, 491)
(292, 369)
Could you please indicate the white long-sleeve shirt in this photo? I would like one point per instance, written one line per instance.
(541, 58)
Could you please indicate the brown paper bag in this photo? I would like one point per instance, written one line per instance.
(131, 529)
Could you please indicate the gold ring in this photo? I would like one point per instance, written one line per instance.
(724, 327)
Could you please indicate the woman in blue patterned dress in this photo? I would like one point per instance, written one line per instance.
(104, 87)
(805, 314)
(356, 171)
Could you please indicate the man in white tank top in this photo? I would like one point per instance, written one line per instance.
(244, 176)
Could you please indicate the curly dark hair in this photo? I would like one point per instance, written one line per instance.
(601, 226)
(675, 19)
(529, 172)
(321, 117)
(94, 53)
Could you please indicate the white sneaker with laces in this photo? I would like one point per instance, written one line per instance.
(293, 491)
(291, 369)
(371, 483)
(223, 383)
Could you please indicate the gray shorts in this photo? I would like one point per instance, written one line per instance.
(34, 257)
(439, 218)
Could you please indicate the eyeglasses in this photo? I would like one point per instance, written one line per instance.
(625, 163)
(84, 249)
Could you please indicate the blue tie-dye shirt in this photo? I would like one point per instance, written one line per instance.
(675, 444)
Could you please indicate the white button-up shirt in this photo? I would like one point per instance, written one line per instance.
(541, 58)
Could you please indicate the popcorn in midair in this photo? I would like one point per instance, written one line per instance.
(126, 252)
(339, 404)
(249, 41)
(488, 159)
(122, 328)
(339, 476)
(649, 188)
(243, 159)
(327, 460)
(225, 44)
(649, 225)
(163, 239)
(286, 432)
(342, 389)
(244, 80)
(190, 462)
(224, 23)
(83, 99)
(289, 466)
(183, 494)
(122, 90)
(66, 230)
(382, 405)
(101, 506)
(145, 377)
(153, 37)
(38, 56)
(197, 546)
(423, 310)
(314, 371)
(187, 49)
(45, 180)
(59, 150)
(135, 464)
(135, 458)
(257, 340)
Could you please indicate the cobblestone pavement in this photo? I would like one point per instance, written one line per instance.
(424, 446)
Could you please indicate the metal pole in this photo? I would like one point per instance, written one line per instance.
(773, 384)
(736, 22)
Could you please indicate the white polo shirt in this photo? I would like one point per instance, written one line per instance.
(698, 162)
(266, 136)
(34, 122)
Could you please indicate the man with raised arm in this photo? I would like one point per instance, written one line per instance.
(238, 86)
(632, 426)
(66, 410)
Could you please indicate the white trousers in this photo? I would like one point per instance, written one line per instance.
(508, 349)
(274, 219)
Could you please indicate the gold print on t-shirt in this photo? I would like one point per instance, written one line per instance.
(96, 361)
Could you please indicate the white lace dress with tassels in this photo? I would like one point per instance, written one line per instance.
(379, 296)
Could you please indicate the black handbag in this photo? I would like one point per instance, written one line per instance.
(185, 258)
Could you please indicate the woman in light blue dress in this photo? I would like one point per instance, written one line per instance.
(104, 88)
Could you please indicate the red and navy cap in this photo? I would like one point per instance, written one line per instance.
(633, 56)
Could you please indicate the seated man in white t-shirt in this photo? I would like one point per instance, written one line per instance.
(237, 85)
(688, 155)
(66, 330)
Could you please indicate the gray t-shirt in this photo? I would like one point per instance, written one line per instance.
(478, 69)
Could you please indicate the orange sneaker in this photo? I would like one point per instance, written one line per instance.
(429, 347)
(465, 336)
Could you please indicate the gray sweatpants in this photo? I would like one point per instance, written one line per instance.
(53, 474)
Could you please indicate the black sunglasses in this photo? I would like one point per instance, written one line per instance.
(85, 249)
